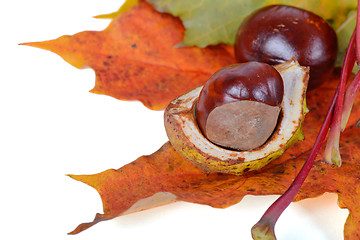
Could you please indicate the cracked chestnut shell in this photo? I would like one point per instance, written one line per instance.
(277, 33)
(188, 140)
(239, 105)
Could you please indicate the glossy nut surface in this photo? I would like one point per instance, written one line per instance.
(239, 105)
(277, 33)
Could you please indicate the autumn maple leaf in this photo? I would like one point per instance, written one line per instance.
(135, 58)
(168, 177)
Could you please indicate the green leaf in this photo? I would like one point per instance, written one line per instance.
(344, 33)
(210, 22)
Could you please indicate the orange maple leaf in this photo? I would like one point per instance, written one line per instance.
(167, 177)
(135, 58)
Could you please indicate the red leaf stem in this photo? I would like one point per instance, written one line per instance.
(332, 153)
(350, 95)
(354, 86)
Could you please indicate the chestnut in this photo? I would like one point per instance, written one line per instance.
(239, 106)
(277, 33)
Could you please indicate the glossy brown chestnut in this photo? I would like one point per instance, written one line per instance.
(277, 33)
(239, 105)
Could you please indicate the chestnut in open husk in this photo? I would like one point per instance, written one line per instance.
(182, 128)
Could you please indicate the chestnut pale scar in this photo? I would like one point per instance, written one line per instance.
(242, 125)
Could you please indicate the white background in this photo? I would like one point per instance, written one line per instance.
(50, 125)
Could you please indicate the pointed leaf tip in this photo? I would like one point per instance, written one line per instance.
(75, 177)
(66, 47)
(83, 226)
(126, 6)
